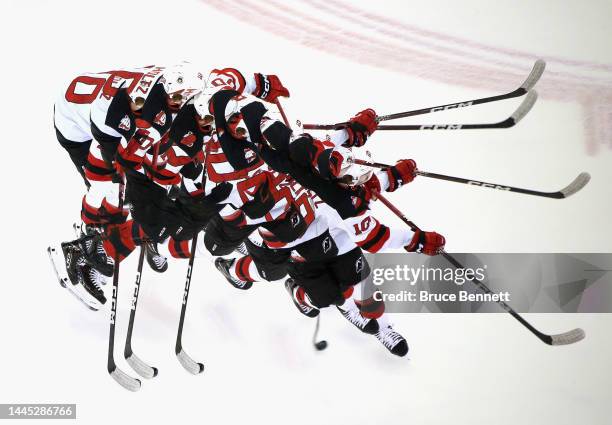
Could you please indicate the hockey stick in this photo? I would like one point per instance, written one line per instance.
(133, 360)
(577, 184)
(318, 345)
(511, 121)
(566, 338)
(282, 112)
(188, 363)
(122, 378)
(528, 84)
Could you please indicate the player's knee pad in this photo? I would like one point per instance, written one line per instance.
(221, 238)
(215, 242)
(318, 283)
(271, 263)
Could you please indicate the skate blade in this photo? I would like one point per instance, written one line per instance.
(62, 277)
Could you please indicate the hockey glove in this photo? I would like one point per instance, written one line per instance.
(269, 87)
(360, 127)
(428, 243)
(401, 173)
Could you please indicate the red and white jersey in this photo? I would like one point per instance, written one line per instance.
(73, 106)
(219, 170)
(365, 229)
(231, 78)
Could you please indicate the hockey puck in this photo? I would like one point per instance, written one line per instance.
(321, 345)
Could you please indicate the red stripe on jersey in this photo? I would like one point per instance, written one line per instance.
(96, 162)
(376, 238)
(177, 160)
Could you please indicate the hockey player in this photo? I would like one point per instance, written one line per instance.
(90, 118)
(125, 107)
(325, 265)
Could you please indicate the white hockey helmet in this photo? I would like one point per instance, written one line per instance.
(349, 172)
(232, 114)
(201, 103)
(182, 82)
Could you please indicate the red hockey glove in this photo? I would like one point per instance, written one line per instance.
(372, 188)
(401, 173)
(428, 243)
(360, 127)
(269, 87)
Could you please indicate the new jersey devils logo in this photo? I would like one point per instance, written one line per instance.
(326, 245)
(160, 118)
(359, 265)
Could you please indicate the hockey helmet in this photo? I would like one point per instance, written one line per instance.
(181, 83)
(347, 170)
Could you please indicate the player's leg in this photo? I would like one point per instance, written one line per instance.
(261, 263)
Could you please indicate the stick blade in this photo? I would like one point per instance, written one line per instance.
(534, 75)
(578, 183)
(140, 367)
(189, 364)
(125, 380)
(567, 338)
(524, 107)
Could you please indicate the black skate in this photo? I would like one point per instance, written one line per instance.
(350, 312)
(75, 275)
(90, 241)
(223, 266)
(392, 341)
(157, 262)
(306, 310)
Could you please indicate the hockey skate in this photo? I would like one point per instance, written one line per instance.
(90, 242)
(74, 274)
(157, 262)
(307, 310)
(241, 249)
(350, 312)
(392, 341)
(223, 266)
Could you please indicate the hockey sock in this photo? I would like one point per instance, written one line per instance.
(244, 269)
(90, 214)
(368, 307)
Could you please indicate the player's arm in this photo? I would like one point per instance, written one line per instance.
(265, 86)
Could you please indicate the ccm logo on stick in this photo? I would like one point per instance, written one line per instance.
(441, 127)
(454, 106)
(493, 186)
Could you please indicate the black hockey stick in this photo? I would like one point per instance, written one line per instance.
(511, 121)
(188, 363)
(577, 184)
(139, 366)
(566, 338)
(528, 84)
(318, 345)
(122, 378)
